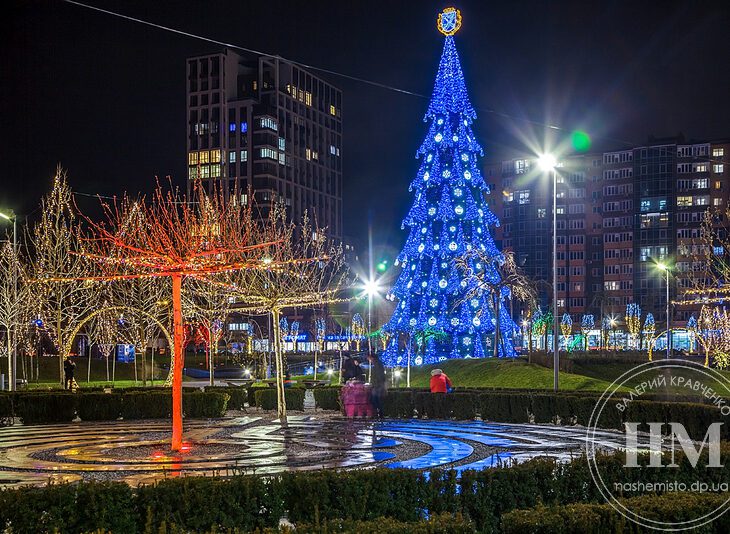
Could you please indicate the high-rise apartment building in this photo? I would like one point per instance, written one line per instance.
(267, 130)
(619, 214)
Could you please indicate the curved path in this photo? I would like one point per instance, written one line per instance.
(137, 451)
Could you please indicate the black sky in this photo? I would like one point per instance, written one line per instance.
(106, 97)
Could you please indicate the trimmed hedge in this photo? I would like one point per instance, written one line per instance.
(570, 408)
(438, 524)
(238, 396)
(266, 398)
(250, 502)
(44, 408)
(327, 398)
(100, 406)
(603, 519)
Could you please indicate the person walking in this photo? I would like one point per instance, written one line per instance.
(351, 369)
(378, 383)
(68, 373)
(440, 382)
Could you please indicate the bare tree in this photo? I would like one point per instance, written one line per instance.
(210, 305)
(171, 236)
(57, 242)
(509, 282)
(15, 302)
(303, 270)
(144, 303)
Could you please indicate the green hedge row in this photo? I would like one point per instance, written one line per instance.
(39, 408)
(249, 502)
(603, 519)
(539, 407)
(265, 398)
(238, 395)
(327, 398)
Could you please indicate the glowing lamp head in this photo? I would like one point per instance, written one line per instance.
(371, 287)
(266, 261)
(397, 373)
(547, 162)
(662, 266)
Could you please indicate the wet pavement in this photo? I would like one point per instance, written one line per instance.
(138, 452)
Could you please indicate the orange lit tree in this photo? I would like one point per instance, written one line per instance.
(171, 236)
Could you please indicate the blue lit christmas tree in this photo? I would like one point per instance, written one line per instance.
(449, 218)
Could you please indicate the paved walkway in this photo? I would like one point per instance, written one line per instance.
(137, 451)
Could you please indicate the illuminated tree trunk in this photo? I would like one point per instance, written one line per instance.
(178, 356)
(280, 398)
(61, 345)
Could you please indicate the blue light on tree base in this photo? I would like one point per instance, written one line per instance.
(449, 218)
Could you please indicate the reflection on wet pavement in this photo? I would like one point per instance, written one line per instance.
(137, 451)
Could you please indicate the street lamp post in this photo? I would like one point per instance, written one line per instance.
(664, 267)
(547, 163)
(12, 358)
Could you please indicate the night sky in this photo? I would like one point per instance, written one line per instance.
(105, 97)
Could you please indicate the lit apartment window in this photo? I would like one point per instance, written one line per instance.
(268, 122)
(232, 156)
(192, 158)
(215, 171)
(268, 153)
(523, 197)
(244, 198)
(193, 173)
(215, 156)
(718, 168)
(684, 201)
(699, 167)
(703, 200)
(718, 185)
(718, 152)
(561, 303)
(541, 213)
(204, 157)
(282, 143)
(204, 172)
(333, 110)
(244, 156)
(244, 127)
(717, 202)
(308, 154)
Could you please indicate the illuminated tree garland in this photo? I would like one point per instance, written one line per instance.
(358, 330)
(449, 218)
(304, 270)
(713, 331)
(633, 322)
(692, 328)
(173, 237)
(57, 240)
(587, 323)
(649, 327)
(566, 326)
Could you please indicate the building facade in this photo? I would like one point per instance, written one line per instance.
(619, 214)
(266, 130)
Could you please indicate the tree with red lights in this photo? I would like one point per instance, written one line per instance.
(171, 236)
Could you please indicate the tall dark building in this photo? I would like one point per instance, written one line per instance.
(619, 214)
(268, 130)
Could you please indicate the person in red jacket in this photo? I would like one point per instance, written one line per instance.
(440, 383)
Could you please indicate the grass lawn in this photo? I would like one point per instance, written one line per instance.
(504, 374)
